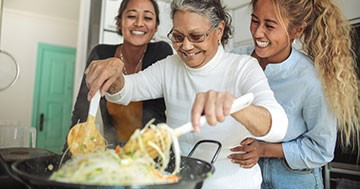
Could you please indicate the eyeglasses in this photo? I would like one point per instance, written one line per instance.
(177, 37)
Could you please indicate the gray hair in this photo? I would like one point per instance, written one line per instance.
(211, 9)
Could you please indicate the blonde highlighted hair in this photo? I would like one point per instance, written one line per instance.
(327, 41)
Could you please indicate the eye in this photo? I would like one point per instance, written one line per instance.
(177, 37)
(131, 17)
(269, 26)
(196, 37)
(254, 21)
(148, 18)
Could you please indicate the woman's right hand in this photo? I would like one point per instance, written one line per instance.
(106, 75)
(214, 105)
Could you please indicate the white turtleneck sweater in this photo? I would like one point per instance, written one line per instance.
(172, 79)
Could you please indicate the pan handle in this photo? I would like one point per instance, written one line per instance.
(216, 154)
(8, 171)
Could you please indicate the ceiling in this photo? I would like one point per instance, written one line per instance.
(69, 9)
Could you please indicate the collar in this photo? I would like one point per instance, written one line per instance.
(286, 65)
(209, 65)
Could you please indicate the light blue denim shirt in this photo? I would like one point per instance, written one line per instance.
(311, 136)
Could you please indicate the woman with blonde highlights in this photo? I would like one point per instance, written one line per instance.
(318, 89)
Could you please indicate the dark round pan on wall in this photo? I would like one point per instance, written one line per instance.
(36, 171)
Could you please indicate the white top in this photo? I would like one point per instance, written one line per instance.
(172, 79)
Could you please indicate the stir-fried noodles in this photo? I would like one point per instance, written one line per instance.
(117, 167)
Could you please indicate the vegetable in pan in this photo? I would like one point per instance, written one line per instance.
(115, 167)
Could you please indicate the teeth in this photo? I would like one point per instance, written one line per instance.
(191, 54)
(262, 43)
(138, 32)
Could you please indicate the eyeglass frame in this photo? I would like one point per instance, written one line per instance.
(204, 35)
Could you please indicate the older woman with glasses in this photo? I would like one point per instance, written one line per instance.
(201, 79)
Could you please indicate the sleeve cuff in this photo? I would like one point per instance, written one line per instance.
(278, 128)
(114, 97)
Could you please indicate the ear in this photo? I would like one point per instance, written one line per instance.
(299, 31)
(220, 30)
(118, 23)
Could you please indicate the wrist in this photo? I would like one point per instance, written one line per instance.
(116, 86)
(264, 150)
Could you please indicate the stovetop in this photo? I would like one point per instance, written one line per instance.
(10, 155)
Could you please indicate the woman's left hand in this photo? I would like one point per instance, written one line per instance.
(252, 151)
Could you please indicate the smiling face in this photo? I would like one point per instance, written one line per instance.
(196, 55)
(138, 22)
(271, 39)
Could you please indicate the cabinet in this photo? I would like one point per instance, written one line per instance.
(109, 12)
(350, 10)
(107, 33)
(165, 22)
(241, 23)
(110, 37)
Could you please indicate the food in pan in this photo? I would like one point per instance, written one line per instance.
(115, 167)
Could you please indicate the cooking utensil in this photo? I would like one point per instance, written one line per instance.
(35, 172)
(151, 136)
(239, 104)
(9, 156)
(9, 69)
(85, 137)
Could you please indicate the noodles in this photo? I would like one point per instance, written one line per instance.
(115, 167)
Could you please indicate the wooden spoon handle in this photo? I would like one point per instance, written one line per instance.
(238, 105)
(94, 104)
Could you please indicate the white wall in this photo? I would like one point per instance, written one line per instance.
(20, 36)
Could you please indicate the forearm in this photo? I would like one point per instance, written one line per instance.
(272, 150)
(256, 119)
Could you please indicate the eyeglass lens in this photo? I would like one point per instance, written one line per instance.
(196, 38)
(177, 37)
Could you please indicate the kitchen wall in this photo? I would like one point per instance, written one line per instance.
(23, 28)
(25, 24)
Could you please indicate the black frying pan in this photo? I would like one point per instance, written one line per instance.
(36, 171)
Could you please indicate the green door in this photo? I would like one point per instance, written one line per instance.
(53, 95)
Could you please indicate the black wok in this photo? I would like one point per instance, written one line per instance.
(36, 171)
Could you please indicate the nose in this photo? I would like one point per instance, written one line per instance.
(139, 22)
(258, 31)
(186, 44)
